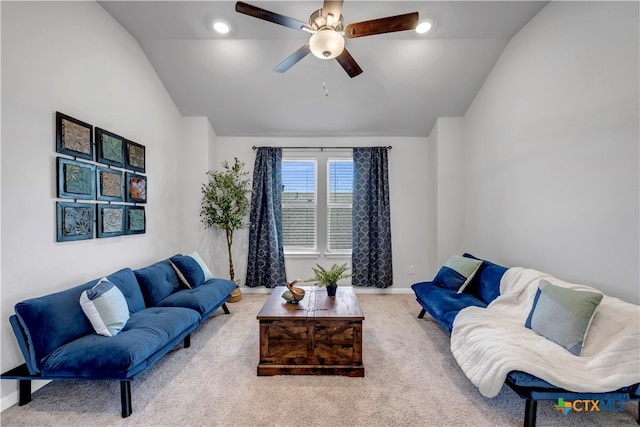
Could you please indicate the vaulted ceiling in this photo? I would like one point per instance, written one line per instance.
(409, 79)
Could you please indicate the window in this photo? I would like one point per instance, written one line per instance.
(299, 204)
(316, 203)
(339, 204)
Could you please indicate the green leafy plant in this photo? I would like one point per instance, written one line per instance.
(224, 202)
(326, 277)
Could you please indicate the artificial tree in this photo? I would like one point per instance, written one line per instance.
(224, 202)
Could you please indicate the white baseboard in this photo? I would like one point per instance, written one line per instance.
(359, 290)
(12, 399)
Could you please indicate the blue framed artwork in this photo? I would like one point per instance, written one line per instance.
(136, 188)
(109, 185)
(134, 156)
(109, 148)
(74, 221)
(135, 219)
(76, 180)
(74, 137)
(110, 220)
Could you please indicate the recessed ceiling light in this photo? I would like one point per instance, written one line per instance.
(221, 27)
(423, 27)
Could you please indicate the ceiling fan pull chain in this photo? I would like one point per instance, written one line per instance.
(324, 83)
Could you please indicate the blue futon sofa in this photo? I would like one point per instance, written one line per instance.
(444, 304)
(166, 302)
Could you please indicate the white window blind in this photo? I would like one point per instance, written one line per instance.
(299, 204)
(339, 199)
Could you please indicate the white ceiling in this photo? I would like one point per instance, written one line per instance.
(408, 81)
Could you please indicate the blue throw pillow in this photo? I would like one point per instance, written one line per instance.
(190, 270)
(457, 272)
(105, 307)
(207, 273)
(563, 315)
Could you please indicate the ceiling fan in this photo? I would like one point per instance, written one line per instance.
(327, 32)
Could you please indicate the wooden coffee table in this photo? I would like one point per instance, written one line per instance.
(320, 335)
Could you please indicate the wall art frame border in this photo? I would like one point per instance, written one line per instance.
(106, 188)
(135, 156)
(136, 220)
(136, 188)
(76, 180)
(110, 148)
(107, 223)
(73, 137)
(74, 221)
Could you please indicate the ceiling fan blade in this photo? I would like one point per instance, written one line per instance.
(293, 59)
(390, 24)
(349, 64)
(265, 15)
(332, 7)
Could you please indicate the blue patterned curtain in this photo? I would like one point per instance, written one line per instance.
(371, 256)
(265, 265)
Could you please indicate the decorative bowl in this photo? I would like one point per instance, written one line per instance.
(293, 295)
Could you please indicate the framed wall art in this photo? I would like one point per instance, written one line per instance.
(76, 180)
(74, 137)
(136, 188)
(135, 219)
(109, 184)
(134, 156)
(74, 221)
(109, 148)
(110, 220)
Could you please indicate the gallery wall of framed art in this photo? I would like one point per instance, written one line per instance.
(100, 177)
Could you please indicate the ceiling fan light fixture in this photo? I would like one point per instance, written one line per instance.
(326, 44)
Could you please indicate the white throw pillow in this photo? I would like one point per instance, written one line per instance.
(105, 307)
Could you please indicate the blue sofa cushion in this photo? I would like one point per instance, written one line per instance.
(204, 299)
(53, 320)
(126, 281)
(144, 338)
(443, 304)
(190, 269)
(157, 282)
(485, 284)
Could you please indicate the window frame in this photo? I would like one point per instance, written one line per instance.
(329, 205)
(298, 249)
(321, 157)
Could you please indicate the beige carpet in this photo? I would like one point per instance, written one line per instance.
(411, 379)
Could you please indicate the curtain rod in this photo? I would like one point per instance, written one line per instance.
(315, 148)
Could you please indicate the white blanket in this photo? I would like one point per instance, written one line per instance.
(489, 343)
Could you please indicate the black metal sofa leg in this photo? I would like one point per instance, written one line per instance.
(24, 393)
(187, 341)
(125, 398)
(530, 408)
(225, 308)
(422, 313)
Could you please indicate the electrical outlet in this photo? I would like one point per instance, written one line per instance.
(412, 270)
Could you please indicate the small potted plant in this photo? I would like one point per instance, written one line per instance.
(329, 277)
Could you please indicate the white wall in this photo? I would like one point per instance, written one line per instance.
(74, 58)
(552, 149)
(446, 140)
(195, 159)
(408, 173)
